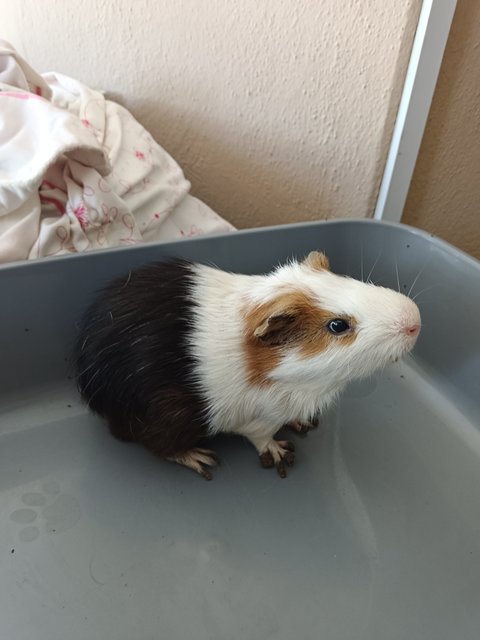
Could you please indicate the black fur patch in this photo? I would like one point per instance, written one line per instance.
(134, 366)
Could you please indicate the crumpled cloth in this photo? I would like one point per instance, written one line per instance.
(78, 172)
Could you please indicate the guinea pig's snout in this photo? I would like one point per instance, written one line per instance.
(411, 323)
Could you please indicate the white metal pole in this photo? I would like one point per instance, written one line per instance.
(427, 52)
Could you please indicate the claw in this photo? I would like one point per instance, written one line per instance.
(266, 460)
(278, 454)
(206, 474)
(282, 472)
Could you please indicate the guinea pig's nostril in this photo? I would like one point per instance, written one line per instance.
(412, 330)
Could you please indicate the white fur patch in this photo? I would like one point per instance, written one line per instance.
(298, 386)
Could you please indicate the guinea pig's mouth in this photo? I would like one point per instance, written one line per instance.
(405, 349)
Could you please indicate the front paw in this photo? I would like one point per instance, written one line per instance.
(302, 427)
(279, 454)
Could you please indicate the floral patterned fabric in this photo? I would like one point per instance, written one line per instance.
(78, 172)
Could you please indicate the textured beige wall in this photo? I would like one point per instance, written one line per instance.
(444, 196)
(278, 110)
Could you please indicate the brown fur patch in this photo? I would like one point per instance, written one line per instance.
(290, 320)
(317, 261)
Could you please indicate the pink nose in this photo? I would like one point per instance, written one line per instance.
(412, 330)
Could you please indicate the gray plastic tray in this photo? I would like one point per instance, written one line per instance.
(375, 534)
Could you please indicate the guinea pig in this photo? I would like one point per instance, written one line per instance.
(175, 352)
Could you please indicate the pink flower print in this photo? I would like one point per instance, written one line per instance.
(140, 155)
(101, 237)
(129, 222)
(125, 184)
(152, 221)
(63, 236)
(86, 122)
(109, 213)
(81, 214)
(141, 186)
(104, 186)
(194, 231)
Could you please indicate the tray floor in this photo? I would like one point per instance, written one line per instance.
(374, 534)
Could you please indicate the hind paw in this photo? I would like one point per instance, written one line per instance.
(199, 460)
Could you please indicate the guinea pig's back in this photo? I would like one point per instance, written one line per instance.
(133, 343)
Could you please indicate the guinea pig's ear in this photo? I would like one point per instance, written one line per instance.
(317, 261)
(277, 328)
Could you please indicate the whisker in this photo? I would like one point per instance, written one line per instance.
(361, 262)
(398, 279)
(424, 290)
(418, 275)
(374, 265)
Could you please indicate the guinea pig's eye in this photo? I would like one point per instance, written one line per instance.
(338, 326)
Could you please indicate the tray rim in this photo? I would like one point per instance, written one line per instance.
(426, 235)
